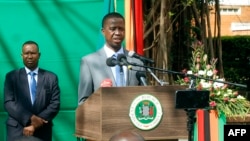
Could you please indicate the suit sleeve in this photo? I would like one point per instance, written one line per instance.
(85, 88)
(13, 107)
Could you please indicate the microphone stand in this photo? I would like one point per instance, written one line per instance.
(155, 77)
(127, 75)
(190, 75)
(190, 112)
(152, 74)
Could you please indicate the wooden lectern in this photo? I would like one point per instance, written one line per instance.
(106, 111)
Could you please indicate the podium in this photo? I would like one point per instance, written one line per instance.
(106, 111)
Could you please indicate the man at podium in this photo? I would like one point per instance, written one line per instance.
(110, 65)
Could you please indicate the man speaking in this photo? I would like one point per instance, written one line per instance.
(95, 73)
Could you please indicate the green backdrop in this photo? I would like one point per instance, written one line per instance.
(65, 30)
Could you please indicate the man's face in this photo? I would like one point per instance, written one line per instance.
(114, 32)
(30, 55)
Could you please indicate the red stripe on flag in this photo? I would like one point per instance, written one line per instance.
(200, 124)
(138, 20)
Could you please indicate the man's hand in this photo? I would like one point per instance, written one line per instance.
(37, 121)
(106, 83)
(29, 130)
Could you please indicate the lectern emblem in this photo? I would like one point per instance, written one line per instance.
(145, 112)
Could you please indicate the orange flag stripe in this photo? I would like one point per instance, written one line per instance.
(214, 125)
(129, 26)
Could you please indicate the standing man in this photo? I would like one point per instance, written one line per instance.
(94, 72)
(31, 97)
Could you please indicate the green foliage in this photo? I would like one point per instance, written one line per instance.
(222, 98)
(236, 58)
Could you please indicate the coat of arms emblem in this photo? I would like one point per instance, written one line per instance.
(145, 112)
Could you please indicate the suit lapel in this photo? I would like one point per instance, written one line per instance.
(40, 83)
(23, 81)
(103, 58)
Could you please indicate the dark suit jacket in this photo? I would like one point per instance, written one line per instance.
(93, 70)
(17, 102)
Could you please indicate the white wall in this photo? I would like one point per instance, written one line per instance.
(235, 2)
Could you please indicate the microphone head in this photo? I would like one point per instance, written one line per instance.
(143, 59)
(131, 53)
(111, 62)
(120, 57)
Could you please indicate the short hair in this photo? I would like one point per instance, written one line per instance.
(31, 42)
(111, 15)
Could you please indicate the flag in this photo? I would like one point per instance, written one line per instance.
(209, 126)
(134, 26)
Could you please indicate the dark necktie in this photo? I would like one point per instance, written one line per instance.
(119, 73)
(33, 86)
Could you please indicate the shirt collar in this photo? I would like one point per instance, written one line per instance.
(110, 52)
(28, 70)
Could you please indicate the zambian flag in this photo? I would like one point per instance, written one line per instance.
(134, 25)
(209, 126)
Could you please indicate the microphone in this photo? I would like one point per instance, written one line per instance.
(122, 59)
(141, 76)
(111, 62)
(144, 59)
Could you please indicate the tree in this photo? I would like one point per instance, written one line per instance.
(170, 28)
